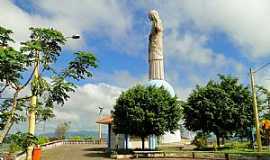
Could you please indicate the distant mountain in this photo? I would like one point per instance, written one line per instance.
(77, 133)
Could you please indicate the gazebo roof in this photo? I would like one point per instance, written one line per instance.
(105, 120)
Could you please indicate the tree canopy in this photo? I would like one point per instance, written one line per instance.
(142, 111)
(17, 75)
(61, 129)
(222, 107)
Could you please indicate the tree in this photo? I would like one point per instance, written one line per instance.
(142, 111)
(222, 107)
(27, 67)
(62, 129)
(24, 140)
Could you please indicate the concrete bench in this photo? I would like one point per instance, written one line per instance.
(147, 153)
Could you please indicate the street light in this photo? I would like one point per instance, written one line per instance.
(75, 36)
(255, 108)
(99, 125)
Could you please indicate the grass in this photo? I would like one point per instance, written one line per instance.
(234, 149)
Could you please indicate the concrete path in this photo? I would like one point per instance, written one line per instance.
(85, 152)
(75, 152)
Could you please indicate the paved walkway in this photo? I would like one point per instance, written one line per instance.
(85, 152)
(75, 152)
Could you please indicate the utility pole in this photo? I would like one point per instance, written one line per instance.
(255, 110)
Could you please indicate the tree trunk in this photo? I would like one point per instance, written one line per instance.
(223, 140)
(142, 143)
(26, 154)
(32, 112)
(241, 139)
(6, 129)
(218, 140)
(126, 140)
(10, 119)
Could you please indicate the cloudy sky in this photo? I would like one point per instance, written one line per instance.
(202, 38)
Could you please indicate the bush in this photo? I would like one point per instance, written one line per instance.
(75, 138)
(13, 147)
(89, 138)
(43, 140)
(23, 140)
(239, 145)
(53, 139)
(200, 140)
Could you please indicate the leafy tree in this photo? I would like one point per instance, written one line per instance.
(27, 67)
(24, 140)
(243, 111)
(142, 111)
(222, 107)
(62, 129)
(263, 95)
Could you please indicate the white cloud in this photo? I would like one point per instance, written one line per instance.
(246, 22)
(121, 78)
(82, 107)
(99, 18)
(190, 48)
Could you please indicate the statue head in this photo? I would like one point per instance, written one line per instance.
(153, 15)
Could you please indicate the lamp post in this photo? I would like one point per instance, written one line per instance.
(75, 36)
(99, 125)
(255, 108)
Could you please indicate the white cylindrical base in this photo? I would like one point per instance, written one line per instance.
(172, 137)
(152, 142)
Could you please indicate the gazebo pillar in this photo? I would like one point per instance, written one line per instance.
(109, 135)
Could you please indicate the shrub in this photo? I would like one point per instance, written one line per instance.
(200, 140)
(89, 138)
(75, 138)
(53, 139)
(13, 147)
(43, 140)
(239, 145)
(24, 140)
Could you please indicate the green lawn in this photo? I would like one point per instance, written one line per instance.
(233, 149)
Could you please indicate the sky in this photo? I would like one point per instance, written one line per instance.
(202, 38)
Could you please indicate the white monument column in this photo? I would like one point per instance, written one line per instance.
(156, 71)
(155, 55)
(155, 48)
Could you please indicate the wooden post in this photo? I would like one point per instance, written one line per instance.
(227, 157)
(255, 110)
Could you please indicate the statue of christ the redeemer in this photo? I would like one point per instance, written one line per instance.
(155, 48)
(156, 72)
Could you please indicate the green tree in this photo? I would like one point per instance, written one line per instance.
(62, 129)
(222, 107)
(24, 140)
(27, 67)
(142, 111)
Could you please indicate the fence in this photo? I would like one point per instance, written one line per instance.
(51, 145)
(219, 155)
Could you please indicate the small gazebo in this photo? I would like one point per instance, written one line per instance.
(119, 141)
(107, 120)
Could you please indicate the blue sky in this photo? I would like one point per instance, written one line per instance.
(202, 38)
